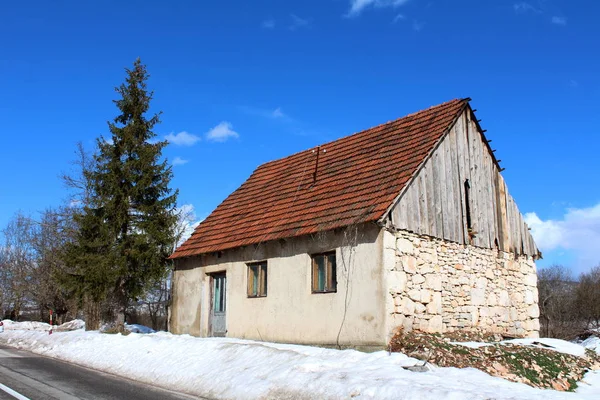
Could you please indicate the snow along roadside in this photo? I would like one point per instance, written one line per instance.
(241, 369)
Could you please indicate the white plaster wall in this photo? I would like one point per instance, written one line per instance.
(291, 312)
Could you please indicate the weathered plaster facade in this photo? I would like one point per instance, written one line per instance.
(440, 286)
(291, 312)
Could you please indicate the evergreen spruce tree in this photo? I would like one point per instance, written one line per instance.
(127, 231)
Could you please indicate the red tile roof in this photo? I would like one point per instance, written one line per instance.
(357, 179)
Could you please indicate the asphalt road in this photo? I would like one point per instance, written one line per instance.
(34, 377)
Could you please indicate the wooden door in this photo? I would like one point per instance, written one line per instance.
(218, 317)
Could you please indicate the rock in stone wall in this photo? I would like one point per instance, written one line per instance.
(439, 286)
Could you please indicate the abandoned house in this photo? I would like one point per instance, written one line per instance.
(407, 224)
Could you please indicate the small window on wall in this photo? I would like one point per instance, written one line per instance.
(324, 278)
(257, 279)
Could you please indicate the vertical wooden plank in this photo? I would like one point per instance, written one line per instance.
(519, 228)
(493, 208)
(409, 211)
(490, 196)
(514, 231)
(437, 195)
(475, 191)
(402, 220)
(451, 215)
(463, 171)
(498, 206)
(458, 199)
(511, 229)
(523, 239)
(526, 240)
(485, 191)
(481, 191)
(414, 207)
(503, 208)
(429, 191)
(443, 182)
(422, 191)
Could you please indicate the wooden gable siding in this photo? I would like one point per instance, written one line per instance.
(434, 203)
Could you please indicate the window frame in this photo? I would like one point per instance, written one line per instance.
(261, 287)
(330, 272)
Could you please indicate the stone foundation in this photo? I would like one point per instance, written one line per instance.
(439, 286)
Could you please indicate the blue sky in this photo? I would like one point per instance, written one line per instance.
(248, 82)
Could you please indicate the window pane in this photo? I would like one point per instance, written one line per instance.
(264, 279)
(331, 272)
(320, 273)
(249, 280)
(217, 300)
(255, 280)
(223, 298)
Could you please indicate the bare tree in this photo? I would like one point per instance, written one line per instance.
(79, 186)
(17, 265)
(587, 297)
(558, 313)
(54, 230)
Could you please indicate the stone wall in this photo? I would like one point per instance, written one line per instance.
(440, 286)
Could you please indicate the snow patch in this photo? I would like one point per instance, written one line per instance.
(243, 369)
(136, 328)
(558, 345)
(592, 343)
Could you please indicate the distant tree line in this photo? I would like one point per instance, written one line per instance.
(103, 254)
(569, 306)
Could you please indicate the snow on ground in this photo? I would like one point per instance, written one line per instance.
(561, 346)
(42, 326)
(71, 325)
(137, 328)
(592, 343)
(26, 326)
(232, 368)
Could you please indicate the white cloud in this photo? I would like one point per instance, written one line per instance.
(268, 24)
(222, 132)
(187, 222)
(524, 7)
(74, 203)
(182, 139)
(559, 21)
(298, 22)
(578, 230)
(180, 161)
(398, 18)
(276, 113)
(357, 6)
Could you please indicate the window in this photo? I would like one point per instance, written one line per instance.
(257, 279)
(468, 204)
(324, 277)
